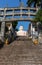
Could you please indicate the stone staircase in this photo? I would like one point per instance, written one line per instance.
(21, 52)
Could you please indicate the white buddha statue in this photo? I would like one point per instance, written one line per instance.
(21, 32)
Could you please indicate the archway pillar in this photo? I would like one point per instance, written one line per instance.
(2, 31)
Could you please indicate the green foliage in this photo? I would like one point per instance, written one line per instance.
(14, 24)
(38, 17)
(35, 2)
(0, 26)
(29, 2)
(6, 29)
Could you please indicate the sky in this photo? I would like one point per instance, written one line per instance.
(15, 3)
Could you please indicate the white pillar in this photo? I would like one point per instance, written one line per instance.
(31, 29)
(2, 30)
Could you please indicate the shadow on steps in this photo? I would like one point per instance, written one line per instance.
(22, 38)
(1, 44)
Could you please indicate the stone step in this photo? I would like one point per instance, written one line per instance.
(21, 52)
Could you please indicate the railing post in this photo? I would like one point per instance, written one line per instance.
(29, 12)
(20, 12)
(13, 14)
(4, 12)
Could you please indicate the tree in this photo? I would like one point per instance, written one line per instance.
(14, 24)
(38, 17)
(0, 26)
(34, 2)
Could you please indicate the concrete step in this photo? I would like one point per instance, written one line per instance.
(21, 52)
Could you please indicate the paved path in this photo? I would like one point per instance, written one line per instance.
(21, 52)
